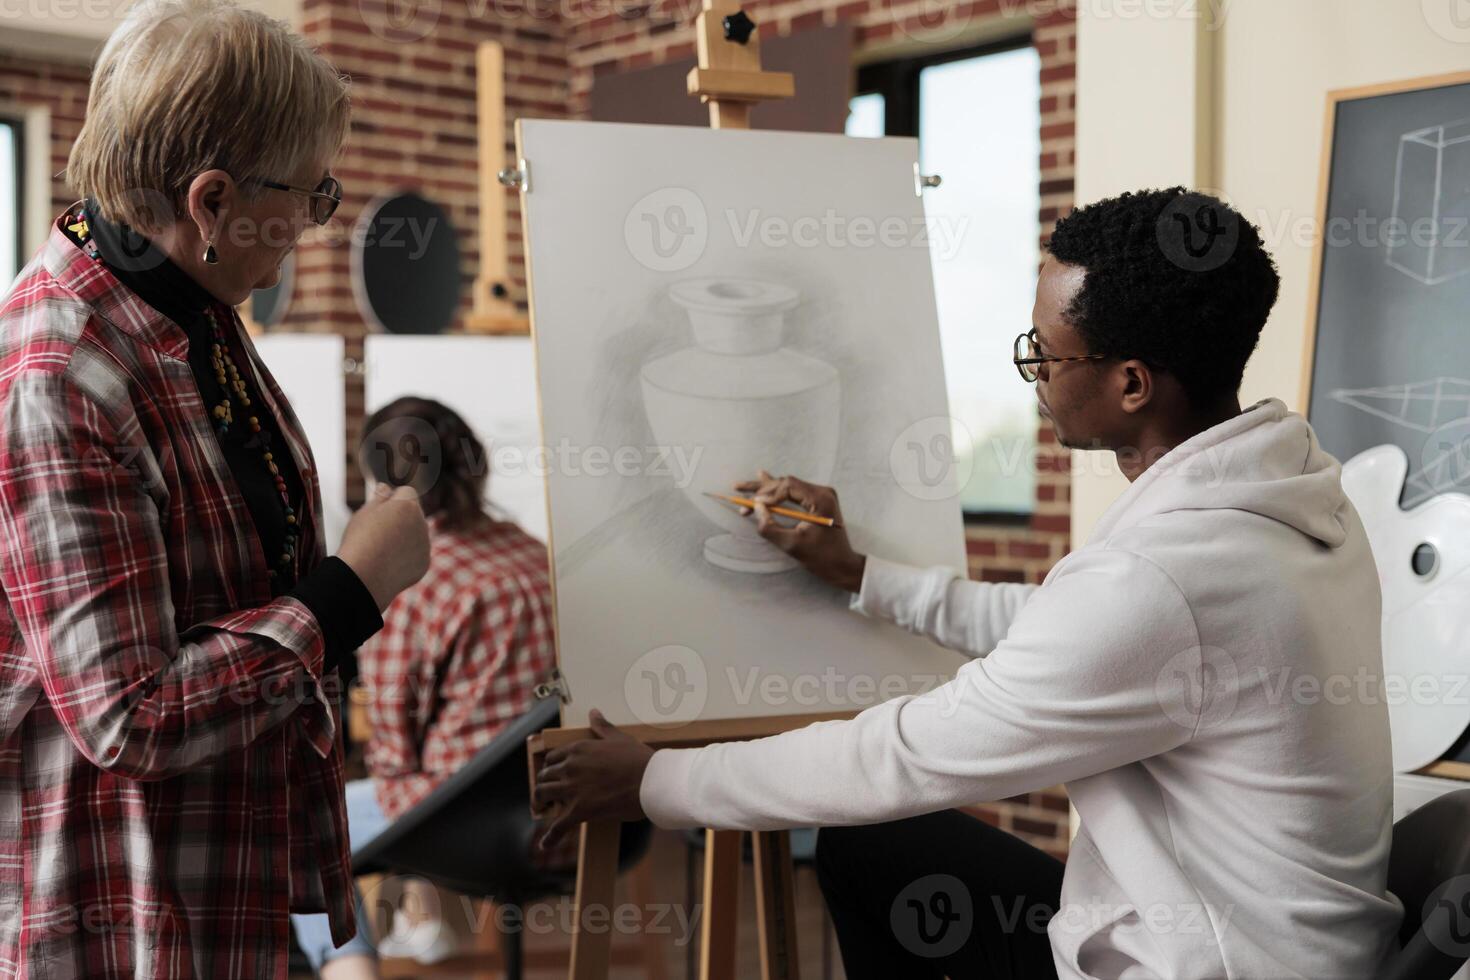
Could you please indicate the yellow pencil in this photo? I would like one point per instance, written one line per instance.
(799, 515)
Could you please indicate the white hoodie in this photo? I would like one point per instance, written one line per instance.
(1204, 675)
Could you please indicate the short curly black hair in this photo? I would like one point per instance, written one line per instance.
(1175, 278)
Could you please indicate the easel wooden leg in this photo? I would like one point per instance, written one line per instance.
(721, 904)
(597, 872)
(641, 891)
(775, 905)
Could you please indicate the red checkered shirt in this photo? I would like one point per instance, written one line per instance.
(170, 761)
(457, 659)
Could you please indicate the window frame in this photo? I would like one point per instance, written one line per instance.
(17, 124)
(897, 80)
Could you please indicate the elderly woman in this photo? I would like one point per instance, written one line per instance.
(170, 750)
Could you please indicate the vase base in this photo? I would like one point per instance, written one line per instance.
(738, 554)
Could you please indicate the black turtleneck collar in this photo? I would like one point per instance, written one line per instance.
(143, 268)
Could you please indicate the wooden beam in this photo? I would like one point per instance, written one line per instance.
(775, 905)
(597, 872)
(493, 310)
(719, 928)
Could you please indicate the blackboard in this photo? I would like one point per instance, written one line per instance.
(1389, 334)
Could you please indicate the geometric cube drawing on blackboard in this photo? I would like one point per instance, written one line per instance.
(1441, 405)
(1430, 238)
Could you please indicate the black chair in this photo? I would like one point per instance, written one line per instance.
(473, 833)
(1429, 869)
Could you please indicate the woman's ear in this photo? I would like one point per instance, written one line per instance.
(210, 198)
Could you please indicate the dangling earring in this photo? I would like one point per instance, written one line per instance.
(211, 257)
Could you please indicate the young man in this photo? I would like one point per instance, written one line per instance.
(1233, 825)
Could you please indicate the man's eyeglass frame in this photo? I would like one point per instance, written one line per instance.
(1026, 354)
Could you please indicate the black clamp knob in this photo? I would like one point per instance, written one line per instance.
(738, 27)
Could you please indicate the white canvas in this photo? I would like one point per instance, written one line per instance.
(490, 382)
(706, 303)
(308, 367)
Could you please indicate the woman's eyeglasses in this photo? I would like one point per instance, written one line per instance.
(324, 198)
(1028, 357)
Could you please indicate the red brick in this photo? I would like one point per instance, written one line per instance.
(1058, 73)
(1057, 523)
(1038, 828)
(981, 547)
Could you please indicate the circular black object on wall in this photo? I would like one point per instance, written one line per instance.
(405, 265)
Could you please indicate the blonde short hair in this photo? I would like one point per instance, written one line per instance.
(185, 86)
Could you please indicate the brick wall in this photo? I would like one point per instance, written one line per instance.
(414, 118)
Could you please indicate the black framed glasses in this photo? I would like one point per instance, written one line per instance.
(324, 198)
(1028, 357)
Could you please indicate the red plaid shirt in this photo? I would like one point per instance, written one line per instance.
(457, 659)
(170, 762)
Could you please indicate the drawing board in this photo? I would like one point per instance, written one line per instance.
(705, 303)
(490, 382)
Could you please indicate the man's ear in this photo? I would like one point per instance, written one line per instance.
(1138, 385)
(210, 198)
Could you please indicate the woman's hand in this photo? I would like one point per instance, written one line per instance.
(387, 543)
(825, 551)
(595, 779)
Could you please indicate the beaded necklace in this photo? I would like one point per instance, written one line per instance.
(235, 391)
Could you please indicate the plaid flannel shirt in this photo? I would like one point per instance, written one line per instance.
(458, 658)
(170, 760)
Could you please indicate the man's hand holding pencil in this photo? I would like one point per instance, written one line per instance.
(818, 540)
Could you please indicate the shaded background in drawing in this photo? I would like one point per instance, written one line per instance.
(1392, 355)
(630, 571)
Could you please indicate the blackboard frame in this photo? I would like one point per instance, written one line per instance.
(1324, 189)
(1444, 767)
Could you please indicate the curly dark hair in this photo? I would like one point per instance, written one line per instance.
(1175, 278)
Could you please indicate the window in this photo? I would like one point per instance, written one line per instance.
(12, 193)
(865, 115)
(977, 116)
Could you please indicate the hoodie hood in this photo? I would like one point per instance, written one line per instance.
(1265, 460)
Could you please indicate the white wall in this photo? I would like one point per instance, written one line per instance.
(1231, 95)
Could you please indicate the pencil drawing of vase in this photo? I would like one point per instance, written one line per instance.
(737, 402)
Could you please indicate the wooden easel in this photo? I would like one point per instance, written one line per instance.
(730, 80)
(493, 310)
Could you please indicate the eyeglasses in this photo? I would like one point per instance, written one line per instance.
(1028, 356)
(324, 198)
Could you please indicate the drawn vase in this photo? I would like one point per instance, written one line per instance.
(737, 402)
